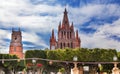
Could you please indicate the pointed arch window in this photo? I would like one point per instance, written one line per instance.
(70, 35)
(71, 45)
(62, 34)
(64, 45)
(60, 45)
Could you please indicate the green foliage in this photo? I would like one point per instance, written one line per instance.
(62, 70)
(107, 67)
(36, 54)
(67, 54)
(83, 54)
(20, 65)
(11, 64)
(118, 54)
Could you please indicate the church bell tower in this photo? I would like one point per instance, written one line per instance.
(16, 47)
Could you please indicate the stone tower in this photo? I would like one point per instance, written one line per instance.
(67, 37)
(16, 47)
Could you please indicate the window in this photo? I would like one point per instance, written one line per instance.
(62, 34)
(71, 45)
(15, 38)
(60, 45)
(64, 45)
(70, 34)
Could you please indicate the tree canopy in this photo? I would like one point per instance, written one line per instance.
(11, 65)
(67, 54)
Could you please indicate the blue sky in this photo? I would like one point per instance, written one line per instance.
(98, 22)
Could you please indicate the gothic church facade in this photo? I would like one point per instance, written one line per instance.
(67, 37)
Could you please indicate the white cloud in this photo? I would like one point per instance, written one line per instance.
(83, 14)
(33, 38)
(27, 15)
(100, 39)
(4, 45)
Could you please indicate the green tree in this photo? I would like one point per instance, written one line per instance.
(67, 54)
(11, 65)
(36, 54)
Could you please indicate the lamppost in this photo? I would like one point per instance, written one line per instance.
(115, 70)
(33, 61)
(115, 59)
(75, 69)
(75, 59)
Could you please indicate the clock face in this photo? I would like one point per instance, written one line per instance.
(53, 47)
(15, 39)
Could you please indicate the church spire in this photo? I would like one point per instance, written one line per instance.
(72, 27)
(52, 33)
(65, 22)
(52, 40)
(77, 34)
(59, 27)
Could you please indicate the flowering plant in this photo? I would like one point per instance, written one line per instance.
(39, 65)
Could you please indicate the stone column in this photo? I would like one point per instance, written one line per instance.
(115, 70)
(75, 69)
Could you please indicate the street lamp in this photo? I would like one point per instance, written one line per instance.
(75, 69)
(75, 58)
(115, 70)
(115, 58)
(33, 61)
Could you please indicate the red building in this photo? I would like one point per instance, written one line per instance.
(16, 47)
(67, 37)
